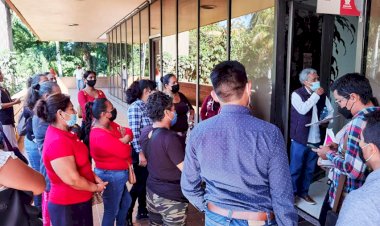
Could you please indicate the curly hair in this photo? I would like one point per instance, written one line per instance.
(136, 89)
(157, 103)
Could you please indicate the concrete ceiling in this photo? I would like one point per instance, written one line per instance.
(50, 20)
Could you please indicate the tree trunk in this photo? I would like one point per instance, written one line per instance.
(87, 59)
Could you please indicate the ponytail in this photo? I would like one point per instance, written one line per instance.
(47, 109)
(32, 96)
(41, 110)
(87, 124)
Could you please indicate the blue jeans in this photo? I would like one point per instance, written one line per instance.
(302, 165)
(79, 84)
(34, 157)
(116, 197)
(214, 219)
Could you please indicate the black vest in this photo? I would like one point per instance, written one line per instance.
(6, 115)
(298, 131)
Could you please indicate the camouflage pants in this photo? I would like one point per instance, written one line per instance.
(165, 211)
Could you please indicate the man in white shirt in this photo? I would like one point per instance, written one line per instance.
(309, 104)
(124, 77)
(78, 73)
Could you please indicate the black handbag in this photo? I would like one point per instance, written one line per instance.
(332, 215)
(16, 209)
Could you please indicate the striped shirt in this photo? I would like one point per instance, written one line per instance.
(137, 119)
(347, 160)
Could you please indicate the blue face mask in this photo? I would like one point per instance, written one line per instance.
(174, 119)
(73, 119)
(315, 85)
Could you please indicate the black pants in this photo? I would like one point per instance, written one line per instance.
(71, 215)
(325, 208)
(139, 189)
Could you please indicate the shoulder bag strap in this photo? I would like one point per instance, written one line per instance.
(10, 148)
(341, 182)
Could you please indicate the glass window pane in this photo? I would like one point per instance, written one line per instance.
(213, 37)
(123, 75)
(119, 62)
(373, 53)
(136, 47)
(213, 41)
(114, 61)
(155, 20)
(129, 52)
(187, 48)
(252, 39)
(169, 36)
(145, 42)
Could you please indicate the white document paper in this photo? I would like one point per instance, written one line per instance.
(322, 121)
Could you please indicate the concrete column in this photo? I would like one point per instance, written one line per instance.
(6, 41)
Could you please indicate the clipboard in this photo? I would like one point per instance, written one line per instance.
(322, 121)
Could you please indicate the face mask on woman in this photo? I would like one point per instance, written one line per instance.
(173, 121)
(91, 83)
(114, 115)
(175, 88)
(73, 119)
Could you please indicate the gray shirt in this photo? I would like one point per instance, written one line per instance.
(362, 206)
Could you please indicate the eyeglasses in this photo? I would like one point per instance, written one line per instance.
(342, 99)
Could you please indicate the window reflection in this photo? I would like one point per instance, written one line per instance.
(169, 36)
(145, 43)
(252, 38)
(129, 52)
(136, 47)
(373, 54)
(187, 41)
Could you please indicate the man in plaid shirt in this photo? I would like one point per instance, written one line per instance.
(353, 95)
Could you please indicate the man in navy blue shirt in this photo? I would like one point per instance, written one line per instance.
(241, 159)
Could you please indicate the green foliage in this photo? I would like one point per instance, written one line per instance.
(252, 43)
(32, 56)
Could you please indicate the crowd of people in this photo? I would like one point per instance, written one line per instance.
(231, 166)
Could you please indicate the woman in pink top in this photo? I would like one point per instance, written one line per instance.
(89, 93)
(111, 152)
(67, 165)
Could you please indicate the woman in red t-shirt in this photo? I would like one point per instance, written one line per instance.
(67, 165)
(110, 149)
(89, 93)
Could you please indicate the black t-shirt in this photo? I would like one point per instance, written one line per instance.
(182, 108)
(164, 151)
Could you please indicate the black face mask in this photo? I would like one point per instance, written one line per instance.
(175, 88)
(114, 114)
(91, 83)
(345, 112)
